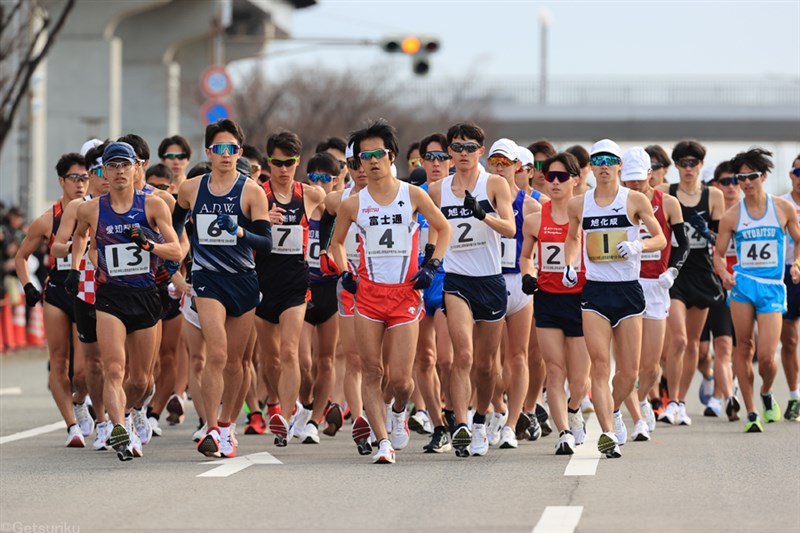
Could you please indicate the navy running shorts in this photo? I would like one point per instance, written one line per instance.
(486, 295)
(613, 300)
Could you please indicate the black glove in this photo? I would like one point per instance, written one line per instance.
(472, 204)
(226, 223)
(162, 275)
(172, 267)
(424, 276)
(72, 281)
(700, 224)
(429, 249)
(349, 282)
(529, 284)
(32, 295)
(138, 238)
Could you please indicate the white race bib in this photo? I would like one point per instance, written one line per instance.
(553, 257)
(696, 241)
(287, 240)
(508, 249)
(312, 257)
(351, 245)
(759, 254)
(209, 234)
(126, 259)
(64, 263)
(387, 241)
(468, 234)
(423, 239)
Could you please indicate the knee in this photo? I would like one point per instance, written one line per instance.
(600, 370)
(372, 371)
(518, 362)
(137, 384)
(679, 343)
(444, 367)
(462, 359)
(324, 364)
(555, 374)
(484, 368)
(198, 364)
(401, 386)
(425, 361)
(114, 372)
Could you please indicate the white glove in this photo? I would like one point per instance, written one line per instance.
(570, 277)
(629, 249)
(667, 278)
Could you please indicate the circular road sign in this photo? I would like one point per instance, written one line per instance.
(215, 82)
(214, 110)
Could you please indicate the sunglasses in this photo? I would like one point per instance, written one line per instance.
(353, 163)
(554, 175)
(796, 172)
(374, 154)
(342, 164)
(470, 148)
(162, 186)
(76, 177)
(500, 161)
(537, 165)
(97, 171)
(688, 162)
(315, 177)
(255, 169)
(526, 168)
(415, 162)
(175, 155)
(750, 176)
(602, 159)
(221, 148)
(118, 165)
(283, 162)
(657, 166)
(439, 156)
(728, 181)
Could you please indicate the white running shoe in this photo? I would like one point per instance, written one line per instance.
(399, 435)
(85, 421)
(508, 438)
(421, 422)
(311, 434)
(143, 429)
(101, 433)
(385, 453)
(607, 444)
(135, 446)
(389, 417)
(586, 405)
(153, 421)
(670, 414)
(227, 444)
(200, 434)
(648, 415)
(577, 426)
(75, 437)
(480, 442)
(233, 434)
(713, 407)
(641, 432)
(496, 424)
(470, 416)
(682, 418)
(620, 431)
(566, 443)
(299, 421)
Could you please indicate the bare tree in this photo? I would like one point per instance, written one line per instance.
(27, 32)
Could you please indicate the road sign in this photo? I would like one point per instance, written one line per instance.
(227, 467)
(215, 82)
(214, 110)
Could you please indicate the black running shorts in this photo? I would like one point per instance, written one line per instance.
(136, 308)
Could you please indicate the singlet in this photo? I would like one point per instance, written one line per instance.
(510, 249)
(121, 262)
(389, 236)
(760, 244)
(699, 257)
(424, 226)
(86, 268)
(352, 243)
(604, 228)
(474, 246)
(789, 244)
(291, 237)
(213, 249)
(657, 262)
(550, 251)
(59, 267)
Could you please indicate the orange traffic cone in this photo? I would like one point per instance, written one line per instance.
(19, 324)
(36, 327)
(8, 324)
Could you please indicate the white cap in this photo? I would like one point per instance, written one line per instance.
(525, 155)
(88, 145)
(707, 174)
(635, 164)
(348, 152)
(505, 147)
(605, 146)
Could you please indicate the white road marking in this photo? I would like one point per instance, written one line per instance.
(33, 432)
(559, 519)
(586, 457)
(228, 467)
(10, 391)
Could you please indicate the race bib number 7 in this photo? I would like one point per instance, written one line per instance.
(287, 240)
(126, 259)
(210, 234)
(601, 246)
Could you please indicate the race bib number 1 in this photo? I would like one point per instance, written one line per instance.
(601, 246)
(126, 260)
(210, 234)
(387, 241)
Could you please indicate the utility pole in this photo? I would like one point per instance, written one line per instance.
(545, 19)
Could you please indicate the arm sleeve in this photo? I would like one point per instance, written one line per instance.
(260, 238)
(713, 227)
(679, 253)
(179, 219)
(326, 224)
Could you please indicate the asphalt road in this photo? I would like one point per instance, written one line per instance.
(708, 477)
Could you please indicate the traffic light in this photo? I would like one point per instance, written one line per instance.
(417, 46)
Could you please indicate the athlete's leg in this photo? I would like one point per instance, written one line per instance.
(790, 357)
(676, 347)
(695, 320)
(291, 324)
(337, 394)
(486, 340)
(57, 327)
(628, 343)
(444, 355)
(269, 362)
(78, 367)
(597, 332)
(370, 341)
(328, 337)
(578, 367)
(181, 366)
(238, 332)
(140, 346)
(460, 325)
(515, 371)
(212, 316)
(769, 331)
(723, 371)
(352, 378)
(168, 354)
(652, 343)
(111, 342)
(536, 371)
(230, 411)
(743, 316)
(305, 348)
(553, 343)
(94, 379)
(196, 347)
(425, 369)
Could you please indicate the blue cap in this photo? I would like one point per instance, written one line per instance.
(119, 150)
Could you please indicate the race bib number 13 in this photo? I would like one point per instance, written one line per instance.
(126, 260)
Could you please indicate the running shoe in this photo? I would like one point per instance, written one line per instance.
(361, 434)
(523, 423)
(608, 446)
(577, 427)
(544, 420)
(200, 433)
(496, 423)
(792, 410)
(586, 405)
(732, 408)
(566, 443)
(280, 428)
(421, 422)
(706, 391)
(713, 407)
(385, 453)
(620, 431)
(470, 417)
(399, 435)
(135, 446)
(227, 443)
(648, 414)
(273, 409)
(450, 421)
(753, 424)
(683, 418)
(75, 437)
(153, 421)
(535, 430)
(119, 441)
(508, 438)
(334, 419)
(84, 418)
(255, 424)
(440, 441)
(670, 414)
(641, 432)
(143, 429)
(311, 434)
(772, 411)
(462, 438)
(479, 444)
(299, 421)
(175, 409)
(209, 446)
(389, 417)
(102, 432)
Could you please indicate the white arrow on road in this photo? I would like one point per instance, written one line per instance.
(229, 467)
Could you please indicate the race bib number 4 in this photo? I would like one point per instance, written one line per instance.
(601, 246)
(126, 260)
(287, 240)
(696, 241)
(761, 254)
(508, 249)
(210, 234)
(468, 235)
(387, 241)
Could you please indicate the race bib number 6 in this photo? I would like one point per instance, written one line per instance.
(126, 260)
(387, 241)
(210, 234)
(508, 252)
(601, 246)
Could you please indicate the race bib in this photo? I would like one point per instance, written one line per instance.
(209, 234)
(64, 263)
(648, 256)
(351, 246)
(387, 241)
(760, 254)
(312, 257)
(287, 240)
(468, 234)
(696, 241)
(423, 239)
(126, 259)
(601, 246)
(508, 249)
(554, 257)
(731, 251)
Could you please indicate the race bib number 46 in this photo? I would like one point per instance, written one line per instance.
(387, 241)
(601, 246)
(210, 234)
(126, 260)
(287, 240)
(761, 254)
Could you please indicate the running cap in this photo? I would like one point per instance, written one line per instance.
(525, 156)
(88, 145)
(505, 147)
(348, 152)
(635, 164)
(606, 146)
(119, 150)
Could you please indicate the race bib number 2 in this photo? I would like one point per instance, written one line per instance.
(553, 257)
(126, 260)
(210, 234)
(468, 235)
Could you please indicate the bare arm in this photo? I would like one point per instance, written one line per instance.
(530, 233)
(37, 232)
(572, 246)
(726, 230)
(644, 212)
(158, 212)
(500, 195)
(69, 217)
(440, 228)
(344, 217)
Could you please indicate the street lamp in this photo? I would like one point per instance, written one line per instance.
(545, 19)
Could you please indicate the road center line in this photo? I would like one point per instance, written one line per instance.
(33, 432)
(10, 391)
(586, 457)
(559, 519)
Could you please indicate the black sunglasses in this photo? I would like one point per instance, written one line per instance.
(354, 163)
(470, 148)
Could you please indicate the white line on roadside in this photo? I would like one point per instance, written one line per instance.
(586, 457)
(228, 467)
(559, 519)
(33, 432)
(10, 391)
